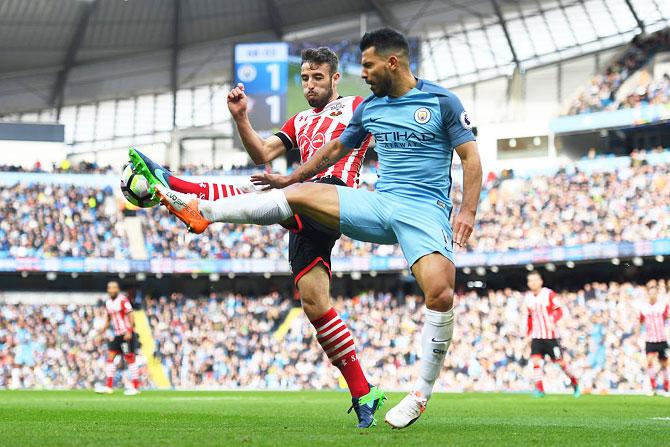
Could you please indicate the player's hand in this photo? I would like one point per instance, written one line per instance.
(127, 336)
(269, 181)
(463, 226)
(237, 102)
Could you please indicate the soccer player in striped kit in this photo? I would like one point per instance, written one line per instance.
(543, 312)
(310, 242)
(120, 318)
(653, 315)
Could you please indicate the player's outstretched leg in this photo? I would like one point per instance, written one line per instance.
(157, 174)
(436, 276)
(254, 208)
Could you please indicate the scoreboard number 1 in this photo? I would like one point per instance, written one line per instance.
(275, 108)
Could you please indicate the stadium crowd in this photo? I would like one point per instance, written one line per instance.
(629, 203)
(572, 207)
(227, 341)
(63, 167)
(601, 92)
(59, 220)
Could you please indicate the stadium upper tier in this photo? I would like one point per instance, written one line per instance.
(227, 341)
(594, 209)
(603, 92)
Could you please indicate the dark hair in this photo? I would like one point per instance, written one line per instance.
(533, 272)
(385, 40)
(321, 55)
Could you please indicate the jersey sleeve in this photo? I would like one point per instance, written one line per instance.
(455, 120)
(287, 134)
(354, 135)
(127, 307)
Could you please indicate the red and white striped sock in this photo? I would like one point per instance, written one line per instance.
(651, 371)
(204, 190)
(537, 375)
(338, 343)
(110, 371)
(132, 370)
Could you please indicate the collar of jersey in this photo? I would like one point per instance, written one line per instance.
(315, 110)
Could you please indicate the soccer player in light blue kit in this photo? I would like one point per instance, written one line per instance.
(417, 126)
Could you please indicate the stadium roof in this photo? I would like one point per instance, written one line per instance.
(55, 52)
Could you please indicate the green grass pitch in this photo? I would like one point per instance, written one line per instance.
(157, 418)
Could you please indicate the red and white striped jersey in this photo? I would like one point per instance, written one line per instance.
(544, 311)
(310, 129)
(118, 310)
(653, 316)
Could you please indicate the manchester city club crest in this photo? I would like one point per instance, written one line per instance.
(422, 115)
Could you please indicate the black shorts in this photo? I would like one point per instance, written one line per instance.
(660, 348)
(118, 344)
(312, 242)
(546, 346)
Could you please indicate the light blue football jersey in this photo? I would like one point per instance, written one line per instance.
(415, 135)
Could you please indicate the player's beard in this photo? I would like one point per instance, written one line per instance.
(319, 102)
(382, 87)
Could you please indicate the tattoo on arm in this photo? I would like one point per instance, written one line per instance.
(321, 165)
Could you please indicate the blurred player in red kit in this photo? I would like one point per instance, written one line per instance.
(125, 341)
(653, 315)
(543, 311)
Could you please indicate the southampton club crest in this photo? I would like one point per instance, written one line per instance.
(422, 115)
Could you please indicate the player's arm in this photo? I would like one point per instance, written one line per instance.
(259, 149)
(459, 130)
(472, 186)
(329, 154)
(131, 319)
(556, 307)
(529, 319)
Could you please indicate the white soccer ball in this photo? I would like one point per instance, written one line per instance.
(135, 188)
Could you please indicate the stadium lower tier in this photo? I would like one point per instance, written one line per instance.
(230, 341)
(628, 203)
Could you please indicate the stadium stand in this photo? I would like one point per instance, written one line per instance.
(225, 340)
(577, 205)
(601, 92)
(59, 220)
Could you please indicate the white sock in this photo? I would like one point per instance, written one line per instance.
(438, 329)
(258, 208)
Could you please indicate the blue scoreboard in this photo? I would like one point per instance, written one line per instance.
(263, 69)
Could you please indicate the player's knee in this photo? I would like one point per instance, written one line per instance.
(440, 299)
(298, 194)
(314, 303)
